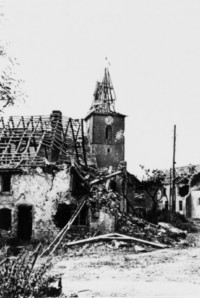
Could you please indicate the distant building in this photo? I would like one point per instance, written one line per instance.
(187, 191)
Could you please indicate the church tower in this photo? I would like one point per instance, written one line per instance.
(105, 127)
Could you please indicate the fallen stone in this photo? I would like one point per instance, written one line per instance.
(139, 249)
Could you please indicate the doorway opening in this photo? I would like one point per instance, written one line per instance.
(25, 222)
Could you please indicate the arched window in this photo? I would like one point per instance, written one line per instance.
(5, 218)
(109, 133)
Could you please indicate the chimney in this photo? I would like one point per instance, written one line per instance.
(56, 125)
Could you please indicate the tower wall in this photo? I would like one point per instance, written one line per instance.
(106, 138)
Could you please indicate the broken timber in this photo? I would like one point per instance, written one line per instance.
(116, 236)
(56, 242)
(25, 141)
(105, 177)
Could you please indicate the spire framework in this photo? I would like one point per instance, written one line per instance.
(104, 95)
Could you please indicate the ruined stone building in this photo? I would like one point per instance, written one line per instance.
(47, 164)
(187, 191)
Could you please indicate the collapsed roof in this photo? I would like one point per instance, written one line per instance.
(38, 140)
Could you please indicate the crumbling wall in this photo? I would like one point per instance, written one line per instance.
(195, 203)
(102, 220)
(43, 192)
(106, 221)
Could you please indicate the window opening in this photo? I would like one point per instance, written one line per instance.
(166, 205)
(113, 185)
(5, 218)
(24, 231)
(109, 133)
(5, 182)
(180, 205)
(164, 192)
(62, 215)
(183, 190)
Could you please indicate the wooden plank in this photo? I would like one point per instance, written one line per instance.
(140, 240)
(51, 248)
(83, 143)
(116, 237)
(75, 145)
(105, 177)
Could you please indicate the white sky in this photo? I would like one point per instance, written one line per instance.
(154, 51)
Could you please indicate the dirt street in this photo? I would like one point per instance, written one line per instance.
(161, 273)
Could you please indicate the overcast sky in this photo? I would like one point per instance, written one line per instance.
(154, 50)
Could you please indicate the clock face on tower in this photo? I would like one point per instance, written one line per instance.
(109, 120)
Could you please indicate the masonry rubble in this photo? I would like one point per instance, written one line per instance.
(104, 202)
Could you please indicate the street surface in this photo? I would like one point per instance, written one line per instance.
(173, 272)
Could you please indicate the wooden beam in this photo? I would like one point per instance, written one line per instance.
(83, 143)
(116, 236)
(52, 247)
(75, 146)
(105, 177)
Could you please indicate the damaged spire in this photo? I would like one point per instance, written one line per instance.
(104, 95)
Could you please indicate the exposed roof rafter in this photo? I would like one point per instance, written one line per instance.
(34, 140)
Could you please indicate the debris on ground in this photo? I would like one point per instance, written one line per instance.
(183, 223)
(127, 228)
(142, 229)
(117, 238)
(172, 231)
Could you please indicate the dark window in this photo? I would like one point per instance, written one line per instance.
(183, 190)
(109, 133)
(25, 222)
(199, 201)
(65, 212)
(180, 205)
(108, 150)
(164, 192)
(62, 215)
(76, 184)
(5, 182)
(113, 185)
(5, 218)
(166, 205)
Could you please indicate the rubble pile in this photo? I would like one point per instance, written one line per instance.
(129, 225)
(103, 198)
(163, 233)
(181, 222)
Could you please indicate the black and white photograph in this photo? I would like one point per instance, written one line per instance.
(99, 148)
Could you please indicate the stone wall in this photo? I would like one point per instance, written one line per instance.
(41, 192)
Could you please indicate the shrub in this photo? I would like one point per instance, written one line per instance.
(18, 278)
